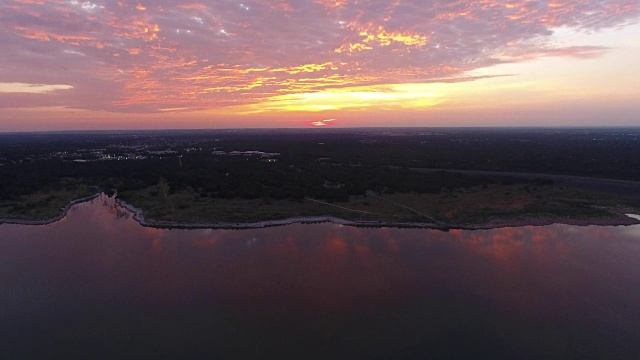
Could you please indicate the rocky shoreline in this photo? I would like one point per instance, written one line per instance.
(138, 214)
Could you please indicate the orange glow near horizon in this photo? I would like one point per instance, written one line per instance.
(392, 97)
(324, 122)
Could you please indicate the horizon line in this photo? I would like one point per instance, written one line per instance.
(325, 129)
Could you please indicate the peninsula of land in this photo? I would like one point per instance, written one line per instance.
(444, 178)
(469, 208)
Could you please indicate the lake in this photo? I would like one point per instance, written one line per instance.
(97, 284)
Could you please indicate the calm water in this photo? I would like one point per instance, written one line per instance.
(98, 285)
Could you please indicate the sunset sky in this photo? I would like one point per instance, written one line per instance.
(284, 63)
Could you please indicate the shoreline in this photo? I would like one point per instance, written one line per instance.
(138, 215)
(620, 220)
(63, 213)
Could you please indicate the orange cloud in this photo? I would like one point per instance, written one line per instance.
(331, 4)
(377, 35)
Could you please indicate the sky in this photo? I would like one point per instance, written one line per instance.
(85, 65)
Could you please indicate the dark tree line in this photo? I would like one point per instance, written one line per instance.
(326, 165)
(232, 178)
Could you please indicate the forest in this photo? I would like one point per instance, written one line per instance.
(331, 165)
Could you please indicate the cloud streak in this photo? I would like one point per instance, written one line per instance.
(30, 88)
(158, 56)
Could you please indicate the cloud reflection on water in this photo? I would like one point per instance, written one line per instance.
(556, 275)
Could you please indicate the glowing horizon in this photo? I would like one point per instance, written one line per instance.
(284, 63)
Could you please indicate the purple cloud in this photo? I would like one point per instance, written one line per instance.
(151, 55)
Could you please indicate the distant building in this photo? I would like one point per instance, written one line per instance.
(162, 152)
(250, 153)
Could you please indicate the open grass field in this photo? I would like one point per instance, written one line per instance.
(475, 205)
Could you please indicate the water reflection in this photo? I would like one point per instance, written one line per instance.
(100, 282)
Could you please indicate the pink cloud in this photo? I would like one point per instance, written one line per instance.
(149, 56)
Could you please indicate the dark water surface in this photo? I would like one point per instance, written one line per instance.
(98, 285)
